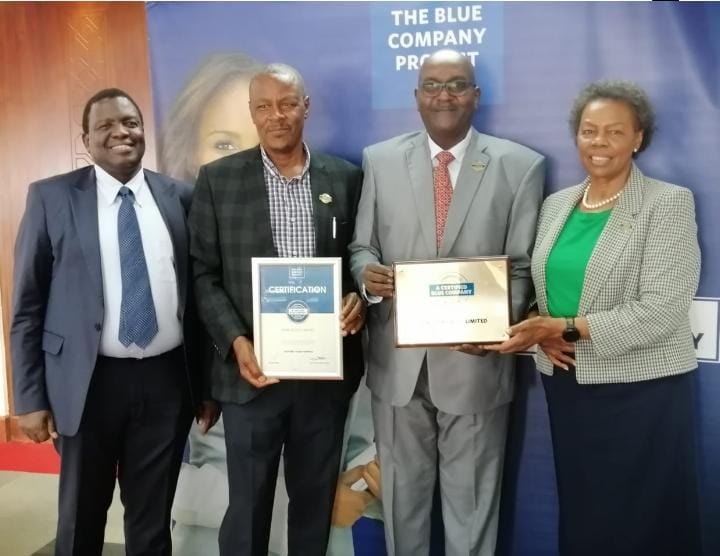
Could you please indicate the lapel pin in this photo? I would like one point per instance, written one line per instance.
(478, 166)
(325, 198)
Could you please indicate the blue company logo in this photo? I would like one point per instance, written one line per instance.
(452, 290)
(296, 272)
(404, 34)
(297, 311)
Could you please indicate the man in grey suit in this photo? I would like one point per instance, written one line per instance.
(103, 333)
(442, 413)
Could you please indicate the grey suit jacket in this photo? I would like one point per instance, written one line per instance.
(639, 282)
(230, 224)
(58, 306)
(493, 212)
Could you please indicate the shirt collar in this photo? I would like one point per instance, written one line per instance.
(458, 151)
(108, 186)
(273, 169)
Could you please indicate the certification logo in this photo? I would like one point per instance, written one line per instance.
(296, 272)
(297, 311)
(452, 290)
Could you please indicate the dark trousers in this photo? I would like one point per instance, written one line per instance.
(134, 427)
(307, 427)
(626, 465)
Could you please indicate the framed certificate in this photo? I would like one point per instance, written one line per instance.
(452, 301)
(296, 313)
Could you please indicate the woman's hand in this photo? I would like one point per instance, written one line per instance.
(527, 333)
(557, 351)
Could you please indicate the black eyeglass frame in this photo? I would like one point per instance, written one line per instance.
(436, 87)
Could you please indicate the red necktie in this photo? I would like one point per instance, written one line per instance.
(443, 192)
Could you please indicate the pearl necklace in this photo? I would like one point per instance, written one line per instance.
(593, 206)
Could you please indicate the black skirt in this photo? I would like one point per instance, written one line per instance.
(626, 466)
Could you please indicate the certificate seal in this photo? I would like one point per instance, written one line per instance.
(297, 311)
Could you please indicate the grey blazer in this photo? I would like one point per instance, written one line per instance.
(58, 302)
(639, 282)
(493, 212)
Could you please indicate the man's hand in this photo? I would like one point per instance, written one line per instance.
(470, 349)
(371, 474)
(349, 504)
(207, 414)
(379, 280)
(248, 365)
(352, 315)
(38, 425)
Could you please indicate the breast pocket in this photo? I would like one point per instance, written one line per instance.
(339, 232)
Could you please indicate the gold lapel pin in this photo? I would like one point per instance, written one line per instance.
(478, 166)
(325, 198)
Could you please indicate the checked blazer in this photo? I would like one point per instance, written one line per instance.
(639, 282)
(230, 223)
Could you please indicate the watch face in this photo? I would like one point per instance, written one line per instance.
(571, 335)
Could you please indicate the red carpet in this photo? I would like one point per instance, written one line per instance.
(29, 457)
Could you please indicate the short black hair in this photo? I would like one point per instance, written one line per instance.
(625, 91)
(102, 95)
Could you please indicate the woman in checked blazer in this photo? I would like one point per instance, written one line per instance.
(616, 265)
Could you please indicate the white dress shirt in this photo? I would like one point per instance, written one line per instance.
(458, 151)
(160, 259)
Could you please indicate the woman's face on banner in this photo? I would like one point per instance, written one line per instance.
(225, 127)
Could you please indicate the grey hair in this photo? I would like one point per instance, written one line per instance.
(625, 91)
(284, 73)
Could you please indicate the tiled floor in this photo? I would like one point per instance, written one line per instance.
(28, 514)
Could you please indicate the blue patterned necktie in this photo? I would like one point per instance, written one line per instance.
(138, 323)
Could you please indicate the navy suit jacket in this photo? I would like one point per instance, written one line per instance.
(58, 306)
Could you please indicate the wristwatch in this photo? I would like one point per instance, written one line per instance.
(570, 334)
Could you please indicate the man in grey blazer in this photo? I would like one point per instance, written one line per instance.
(104, 340)
(442, 413)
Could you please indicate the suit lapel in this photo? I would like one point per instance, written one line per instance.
(611, 242)
(173, 214)
(252, 196)
(85, 212)
(419, 165)
(322, 187)
(474, 164)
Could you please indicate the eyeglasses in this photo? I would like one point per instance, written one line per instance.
(456, 87)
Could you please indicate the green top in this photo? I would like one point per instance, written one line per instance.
(565, 270)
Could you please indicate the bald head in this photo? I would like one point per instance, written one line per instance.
(448, 57)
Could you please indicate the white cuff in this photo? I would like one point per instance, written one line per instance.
(371, 299)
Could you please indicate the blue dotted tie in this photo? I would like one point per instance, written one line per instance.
(138, 323)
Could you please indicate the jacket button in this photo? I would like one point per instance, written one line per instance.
(98, 326)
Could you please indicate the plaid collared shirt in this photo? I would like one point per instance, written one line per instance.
(291, 209)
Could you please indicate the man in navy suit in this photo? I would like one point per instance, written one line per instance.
(102, 333)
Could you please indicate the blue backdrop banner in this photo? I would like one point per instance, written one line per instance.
(360, 60)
